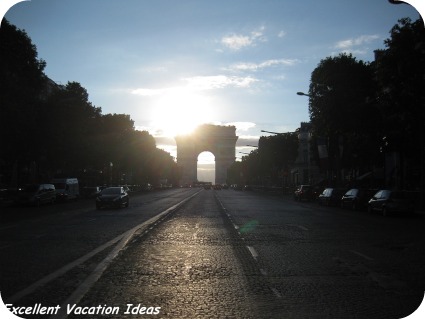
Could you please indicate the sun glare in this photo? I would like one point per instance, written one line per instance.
(180, 112)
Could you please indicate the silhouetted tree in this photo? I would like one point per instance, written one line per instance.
(21, 87)
(70, 121)
(48, 129)
(400, 73)
(277, 153)
(235, 173)
(340, 110)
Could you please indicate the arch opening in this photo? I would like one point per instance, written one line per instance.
(219, 140)
(206, 167)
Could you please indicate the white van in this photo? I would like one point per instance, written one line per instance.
(66, 188)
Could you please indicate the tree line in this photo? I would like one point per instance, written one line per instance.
(366, 117)
(49, 130)
(267, 164)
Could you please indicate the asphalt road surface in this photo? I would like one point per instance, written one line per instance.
(193, 253)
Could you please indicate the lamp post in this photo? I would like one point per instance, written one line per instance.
(308, 142)
(111, 165)
(303, 94)
(263, 131)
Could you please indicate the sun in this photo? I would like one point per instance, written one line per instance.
(180, 111)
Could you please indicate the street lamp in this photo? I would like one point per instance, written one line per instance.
(263, 131)
(308, 142)
(302, 93)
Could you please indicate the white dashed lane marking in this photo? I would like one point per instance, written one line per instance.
(253, 252)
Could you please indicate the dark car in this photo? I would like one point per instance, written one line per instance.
(330, 196)
(388, 201)
(37, 194)
(237, 187)
(356, 198)
(112, 197)
(304, 192)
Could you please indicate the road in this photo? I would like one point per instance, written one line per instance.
(220, 254)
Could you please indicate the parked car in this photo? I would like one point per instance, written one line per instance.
(330, 196)
(388, 201)
(37, 194)
(112, 197)
(237, 187)
(356, 198)
(304, 192)
(147, 187)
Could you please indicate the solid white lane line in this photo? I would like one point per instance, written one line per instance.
(84, 287)
(61, 271)
(302, 227)
(298, 226)
(66, 268)
(361, 255)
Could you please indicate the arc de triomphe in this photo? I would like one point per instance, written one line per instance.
(217, 139)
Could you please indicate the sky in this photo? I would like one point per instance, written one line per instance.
(174, 64)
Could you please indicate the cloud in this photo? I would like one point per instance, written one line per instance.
(348, 44)
(242, 126)
(200, 83)
(281, 34)
(235, 42)
(146, 92)
(244, 140)
(265, 64)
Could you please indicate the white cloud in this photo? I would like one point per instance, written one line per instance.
(262, 65)
(281, 34)
(355, 42)
(200, 83)
(242, 126)
(236, 42)
(146, 92)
